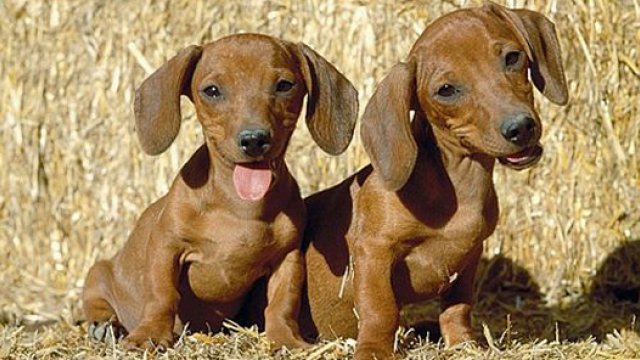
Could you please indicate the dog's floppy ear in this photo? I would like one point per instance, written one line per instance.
(386, 126)
(539, 37)
(332, 102)
(157, 103)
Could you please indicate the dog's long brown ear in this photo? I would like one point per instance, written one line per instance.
(543, 49)
(332, 102)
(386, 127)
(157, 103)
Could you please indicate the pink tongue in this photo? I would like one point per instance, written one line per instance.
(520, 155)
(252, 181)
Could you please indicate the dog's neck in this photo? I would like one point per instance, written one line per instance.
(209, 176)
(440, 152)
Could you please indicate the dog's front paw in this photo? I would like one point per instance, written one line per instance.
(289, 343)
(286, 337)
(373, 352)
(146, 339)
(458, 337)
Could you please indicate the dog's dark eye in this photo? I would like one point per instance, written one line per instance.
(284, 86)
(212, 92)
(447, 90)
(512, 58)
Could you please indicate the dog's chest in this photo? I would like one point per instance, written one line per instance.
(223, 265)
(435, 264)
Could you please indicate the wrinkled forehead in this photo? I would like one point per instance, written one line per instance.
(465, 36)
(245, 53)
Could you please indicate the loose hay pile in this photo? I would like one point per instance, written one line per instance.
(560, 274)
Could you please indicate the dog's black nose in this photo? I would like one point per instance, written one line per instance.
(519, 129)
(254, 142)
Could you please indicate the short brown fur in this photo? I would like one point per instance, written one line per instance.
(412, 225)
(196, 251)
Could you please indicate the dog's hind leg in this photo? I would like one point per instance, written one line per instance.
(103, 322)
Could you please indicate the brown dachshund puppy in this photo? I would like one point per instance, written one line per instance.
(412, 225)
(234, 214)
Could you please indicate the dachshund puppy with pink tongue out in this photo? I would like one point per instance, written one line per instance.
(234, 214)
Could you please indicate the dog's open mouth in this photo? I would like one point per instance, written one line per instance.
(252, 180)
(522, 159)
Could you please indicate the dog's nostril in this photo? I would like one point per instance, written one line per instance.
(530, 125)
(512, 132)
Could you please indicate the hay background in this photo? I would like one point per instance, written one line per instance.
(74, 178)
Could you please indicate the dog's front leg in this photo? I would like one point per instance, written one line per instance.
(160, 297)
(375, 301)
(284, 291)
(455, 318)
